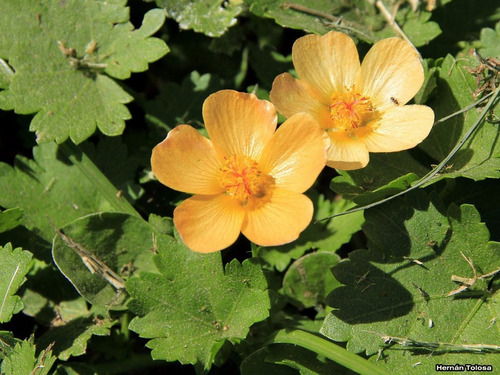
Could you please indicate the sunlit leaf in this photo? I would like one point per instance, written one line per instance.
(63, 70)
(403, 285)
(195, 304)
(45, 188)
(13, 269)
(22, 360)
(10, 219)
(97, 253)
(73, 328)
(211, 17)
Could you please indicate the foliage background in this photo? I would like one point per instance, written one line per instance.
(87, 88)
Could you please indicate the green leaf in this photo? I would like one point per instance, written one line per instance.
(97, 253)
(385, 175)
(210, 17)
(181, 104)
(417, 26)
(10, 219)
(62, 70)
(14, 266)
(22, 360)
(308, 280)
(74, 368)
(286, 359)
(195, 304)
(324, 236)
(257, 363)
(45, 188)
(401, 286)
(478, 158)
(7, 344)
(268, 63)
(430, 82)
(317, 16)
(304, 361)
(73, 328)
(490, 42)
(107, 155)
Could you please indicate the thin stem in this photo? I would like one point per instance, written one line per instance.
(440, 166)
(392, 22)
(94, 175)
(328, 349)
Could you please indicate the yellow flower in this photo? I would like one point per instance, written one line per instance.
(360, 106)
(247, 178)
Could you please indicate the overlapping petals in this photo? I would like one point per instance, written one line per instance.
(247, 178)
(296, 153)
(360, 106)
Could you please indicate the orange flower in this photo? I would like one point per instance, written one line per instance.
(247, 178)
(360, 106)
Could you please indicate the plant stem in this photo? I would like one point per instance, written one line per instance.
(94, 175)
(328, 349)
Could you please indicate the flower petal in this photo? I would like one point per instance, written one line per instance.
(296, 154)
(400, 128)
(280, 220)
(239, 123)
(346, 153)
(209, 223)
(186, 161)
(391, 69)
(329, 63)
(291, 96)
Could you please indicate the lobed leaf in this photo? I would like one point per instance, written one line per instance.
(13, 269)
(401, 286)
(479, 157)
(97, 253)
(73, 328)
(10, 219)
(210, 17)
(22, 360)
(317, 16)
(45, 188)
(63, 70)
(194, 305)
(490, 41)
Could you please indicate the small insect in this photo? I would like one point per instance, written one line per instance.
(394, 100)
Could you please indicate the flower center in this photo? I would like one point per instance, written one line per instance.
(350, 110)
(242, 178)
